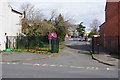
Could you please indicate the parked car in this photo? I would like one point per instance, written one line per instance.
(71, 39)
(89, 39)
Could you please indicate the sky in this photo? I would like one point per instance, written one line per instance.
(78, 10)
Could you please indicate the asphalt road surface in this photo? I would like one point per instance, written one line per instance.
(74, 61)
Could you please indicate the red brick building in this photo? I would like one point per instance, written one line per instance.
(110, 30)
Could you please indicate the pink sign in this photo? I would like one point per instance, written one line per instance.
(54, 35)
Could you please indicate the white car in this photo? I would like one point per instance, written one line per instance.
(89, 39)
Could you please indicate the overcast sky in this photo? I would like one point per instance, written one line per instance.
(80, 10)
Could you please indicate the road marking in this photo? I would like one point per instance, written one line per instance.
(60, 66)
(14, 63)
(108, 68)
(96, 68)
(111, 69)
(44, 64)
(8, 63)
(76, 67)
(92, 68)
(87, 67)
(52, 65)
(36, 64)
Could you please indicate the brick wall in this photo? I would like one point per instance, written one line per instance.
(110, 31)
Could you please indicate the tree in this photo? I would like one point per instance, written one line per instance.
(30, 12)
(81, 29)
(95, 26)
(47, 27)
(32, 20)
(90, 34)
(61, 27)
(34, 25)
(52, 16)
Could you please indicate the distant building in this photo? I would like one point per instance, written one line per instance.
(86, 34)
(110, 30)
(10, 23)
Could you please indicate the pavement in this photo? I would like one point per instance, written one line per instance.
(24, 56)
(103, 56)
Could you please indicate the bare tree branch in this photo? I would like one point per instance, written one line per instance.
(94, 26)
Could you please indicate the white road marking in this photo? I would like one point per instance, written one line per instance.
(52, 65)
(111, 69)
(92, 68)
(8, 63)
(36, 64)
(14, 63)
(60, 66)
(44, 64)
(87, 67)
(108, 68)
(76, 67)
(96, 68)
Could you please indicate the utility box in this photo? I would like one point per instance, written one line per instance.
(54, 42)
(54, 45)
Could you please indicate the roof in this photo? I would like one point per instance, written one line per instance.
(111, 1)
(102, 25)
(15, 11)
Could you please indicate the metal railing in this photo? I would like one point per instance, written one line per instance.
(27, 42)
(109, 43)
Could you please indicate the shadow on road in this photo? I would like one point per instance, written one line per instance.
(79, 47)
(82, 48)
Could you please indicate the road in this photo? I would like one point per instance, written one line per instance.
(74, 61)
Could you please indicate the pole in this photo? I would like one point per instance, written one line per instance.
(17, 43)
(93, 44)
(98, 48)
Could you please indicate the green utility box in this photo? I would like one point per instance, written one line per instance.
(54, 45)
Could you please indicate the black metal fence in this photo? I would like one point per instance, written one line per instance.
(27, 42)
(110, 44)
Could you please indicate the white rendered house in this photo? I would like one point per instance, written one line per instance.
(10, 23)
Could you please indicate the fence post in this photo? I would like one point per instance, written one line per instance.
(93, 44)
(111, 44)
(17, 43)
(28, 43)
(118, 46)
(98, 48)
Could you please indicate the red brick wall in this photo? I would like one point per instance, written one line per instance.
(111, 29)
(111, 26)
(101, 40)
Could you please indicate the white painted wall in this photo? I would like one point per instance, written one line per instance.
(9, 23)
